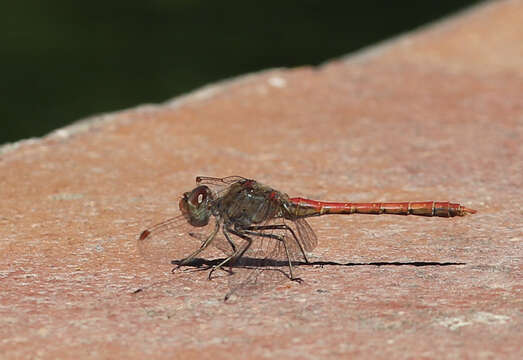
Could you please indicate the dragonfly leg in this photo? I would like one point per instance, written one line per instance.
(282, 240)
(282, 227)
(204, 245)
(233, 245)
(234, 250)
(237, 252)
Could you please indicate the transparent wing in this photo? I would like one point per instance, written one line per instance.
(218, 185)
(175, 239)
(265, 264)
(306, 235)
(228, 180)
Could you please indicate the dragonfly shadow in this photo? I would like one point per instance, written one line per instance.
(255, 262)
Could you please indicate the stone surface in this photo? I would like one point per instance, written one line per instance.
(436, 114)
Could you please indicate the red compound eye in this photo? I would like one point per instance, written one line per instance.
(198, 195)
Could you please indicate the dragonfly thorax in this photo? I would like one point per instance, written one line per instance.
(245, 205)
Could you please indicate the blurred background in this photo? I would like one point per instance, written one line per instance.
(61, 61)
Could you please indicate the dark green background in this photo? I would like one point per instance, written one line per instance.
(64, 60)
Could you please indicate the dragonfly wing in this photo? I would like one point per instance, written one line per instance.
(306, 235)
(218, 185)
(204, 180)
(265, 264)
(175, 239)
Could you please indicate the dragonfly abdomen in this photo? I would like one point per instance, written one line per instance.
(306, 208)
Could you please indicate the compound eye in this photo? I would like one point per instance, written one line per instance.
(199, 195)
(200, 198)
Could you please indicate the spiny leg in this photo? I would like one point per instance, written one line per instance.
(234, 250)
(204, 245)
(282, 227)
(233, 245)
(282, 240)
(237, 253)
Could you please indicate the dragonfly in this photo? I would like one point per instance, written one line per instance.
(257, 227)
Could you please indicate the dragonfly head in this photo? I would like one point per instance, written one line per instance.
(195, 205)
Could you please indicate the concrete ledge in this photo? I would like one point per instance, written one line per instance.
(434, 115)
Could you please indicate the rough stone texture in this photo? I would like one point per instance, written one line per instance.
(437, 114)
